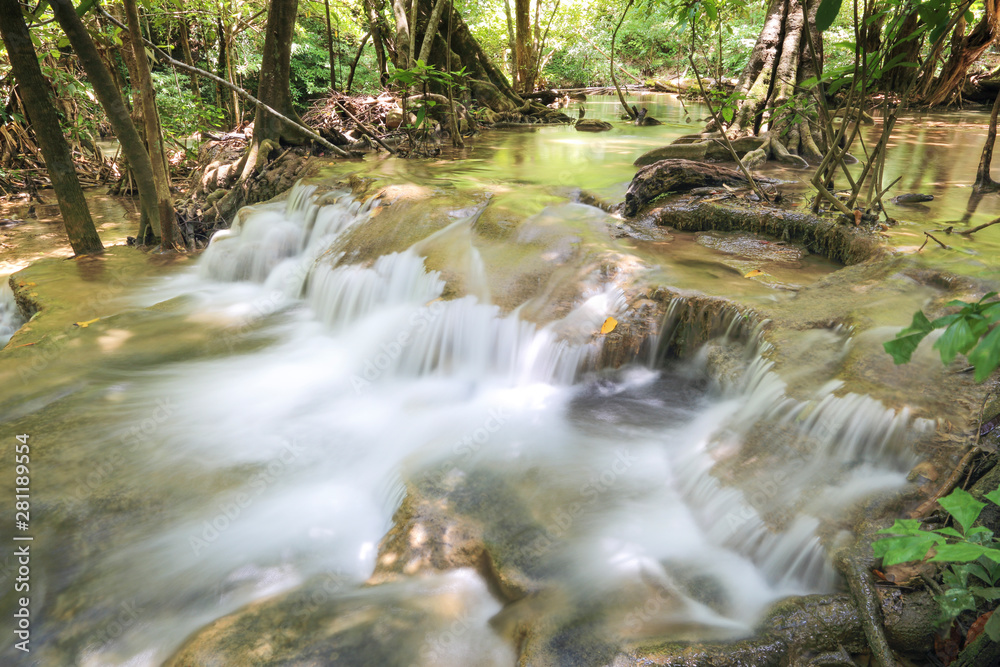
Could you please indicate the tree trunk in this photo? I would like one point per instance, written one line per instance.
(965, 50)
(378, 41)
(45, 123)
(898, 78)
(511, 41)
(222, 99)
(354, 63)
(329, 47)
(766, 90)
(522, 45)
(403, 35)
(109, 95)
(275, 74)
(154, 138)
(189, 59)
(487, 84)
(984, 182)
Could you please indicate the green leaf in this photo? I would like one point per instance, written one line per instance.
(993, 497)
(827, 14)
(950, 532)
(986, 593)
(894, 550)
(903, 527)
(986, 356)
(963, 552)
(992, 627)
(958, 337)
(906, 342)
(963, 507)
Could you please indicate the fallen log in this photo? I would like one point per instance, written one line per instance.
(676, 176)
(824, 236)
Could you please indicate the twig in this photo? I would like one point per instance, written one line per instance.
(878, 197)
(935, 239)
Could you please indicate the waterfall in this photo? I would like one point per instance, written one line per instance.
(10, 315)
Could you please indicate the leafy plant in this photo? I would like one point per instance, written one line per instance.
(972, 552)
(962, 331)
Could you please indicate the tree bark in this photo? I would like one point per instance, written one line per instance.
(109, 95)
(378, 40)
(522, 45)
(329, 47)
(58, 161)
(965, 50)
(354, 63)
(275, 74)
(984, 182)
(403, 34)
(189, 59)
(154, 136)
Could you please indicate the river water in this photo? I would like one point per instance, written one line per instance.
(248, 424)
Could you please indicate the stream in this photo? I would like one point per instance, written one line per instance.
(246, 424)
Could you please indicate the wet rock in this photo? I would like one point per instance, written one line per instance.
(911, 198)
(592, 125)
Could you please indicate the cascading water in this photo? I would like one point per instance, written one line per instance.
(10, 316)
(284, 461)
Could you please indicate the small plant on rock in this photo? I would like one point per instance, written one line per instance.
(971, 552)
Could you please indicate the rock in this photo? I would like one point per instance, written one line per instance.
(592, 125)
(754, 158)
(911, 198)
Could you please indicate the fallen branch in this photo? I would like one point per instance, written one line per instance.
(968, 232)
(364, 128)
(236, 89)
(935, 239)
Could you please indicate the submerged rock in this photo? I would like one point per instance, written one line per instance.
(593, 125)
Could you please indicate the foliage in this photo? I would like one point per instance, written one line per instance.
(182, 115)
(424, 77)
(972, 552)
(969, 328)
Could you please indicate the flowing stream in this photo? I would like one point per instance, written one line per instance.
(251, 422)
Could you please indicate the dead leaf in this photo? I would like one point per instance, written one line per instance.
(976, 628)
(84, 325)
(609, 325)
(908, 574)
(755, 272)
(857, 217)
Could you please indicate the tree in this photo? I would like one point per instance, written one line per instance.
(766, 91)
(58, 160)
(522, 45)
(154, 135)
(151, 217)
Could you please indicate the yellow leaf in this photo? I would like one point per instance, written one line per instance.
(755, 272)
(84, 325)
(609, 325)
(33, 294)
(32, 284)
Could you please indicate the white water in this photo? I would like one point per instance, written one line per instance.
(10, 316)
(285, 463)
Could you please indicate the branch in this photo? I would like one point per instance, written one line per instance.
(236, 89)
